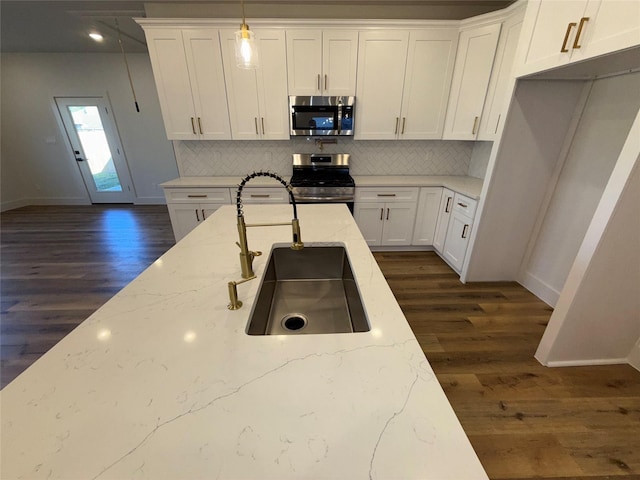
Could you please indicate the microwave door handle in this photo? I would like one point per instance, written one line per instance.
(339, 117)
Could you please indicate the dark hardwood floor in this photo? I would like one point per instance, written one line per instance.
(525, 421)
(60, 264)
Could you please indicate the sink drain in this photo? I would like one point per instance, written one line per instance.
(294, 321)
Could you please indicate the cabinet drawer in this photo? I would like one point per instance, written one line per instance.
(386, 194)
(197, 195)
(464, 205)
(264, 195)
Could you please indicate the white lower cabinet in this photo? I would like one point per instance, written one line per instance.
(458, 231)
(190, 206)
(427, 215)
(386, 216)
(444, 214)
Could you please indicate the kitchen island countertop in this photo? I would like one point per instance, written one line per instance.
(162, 382)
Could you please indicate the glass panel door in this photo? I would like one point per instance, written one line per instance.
(96, 147)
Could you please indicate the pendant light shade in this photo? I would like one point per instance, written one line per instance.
(246, 51)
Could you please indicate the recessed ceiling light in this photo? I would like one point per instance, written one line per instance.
(96, 36)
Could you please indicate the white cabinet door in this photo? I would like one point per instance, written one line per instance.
(399, 219)
(204, 61)
(381, 66)
(339, 62)
(474, 62)
(258, 104)
(427, 82)
(369, 218)
(564, 31)
(304, 62)
(455, 247)
(184, 218)
(166, 51)
(497, 100)
(446, 205)
(427, 215)
(322, 63)
(272, 85)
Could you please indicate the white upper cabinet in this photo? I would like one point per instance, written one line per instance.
(187, 67)
(322, 62)
(474, 63)
(258, 104)
(403, 83)
(498, 96)
(564, 31)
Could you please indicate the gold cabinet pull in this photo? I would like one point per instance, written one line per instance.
(381, 212)
(564, 48)
(498, 123)
(475, 125)
(386, 194)
(200, 126)
(446, 209)
(193, 126)
(255, 120)
(388, 213)
(326, 81)
(397, 120)
(404, 120)
(318, 81)
(464, 231)
(203, 217)
(262, 123)
(197, 216)
(255, 195)
(463, 205)
(199, 195)
(576, 43)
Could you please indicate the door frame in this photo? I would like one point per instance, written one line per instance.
(128, 193)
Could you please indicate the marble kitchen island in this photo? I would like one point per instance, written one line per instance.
(162, 382)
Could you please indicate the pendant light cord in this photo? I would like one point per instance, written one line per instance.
(126, 63)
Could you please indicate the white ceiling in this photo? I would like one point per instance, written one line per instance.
(63, 25)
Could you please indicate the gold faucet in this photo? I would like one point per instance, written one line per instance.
(246, 255)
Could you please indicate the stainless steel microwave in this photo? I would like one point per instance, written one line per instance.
(322, 115)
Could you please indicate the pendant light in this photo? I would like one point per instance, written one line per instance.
(246, 51)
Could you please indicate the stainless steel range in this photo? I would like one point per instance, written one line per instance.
(322, 178)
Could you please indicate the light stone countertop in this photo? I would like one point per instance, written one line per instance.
(162, 382)
(469, 186)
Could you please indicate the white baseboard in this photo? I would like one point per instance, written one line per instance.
(584, 363)
(59, 201)
(150, 201)
(407, 248)
(540, 289)
(10, 205)
(634, 356)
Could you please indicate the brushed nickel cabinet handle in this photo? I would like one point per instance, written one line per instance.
(386, 194)
(200, 195)
(404, 120)
(326, 82)
(255, 120)
(576, 43)
(193, 126)
(446, 209)
(200, 126)
(262, 123)
(197, 216)
(388, 213)
(381, 213)
(397, 120)
(464, 231)
(564, 48)
(475, 125)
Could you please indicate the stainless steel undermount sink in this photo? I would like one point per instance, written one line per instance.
(307, 291)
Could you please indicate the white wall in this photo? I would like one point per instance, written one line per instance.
(604, 125)
(37, 167)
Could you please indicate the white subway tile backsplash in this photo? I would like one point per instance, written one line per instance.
(414, 157)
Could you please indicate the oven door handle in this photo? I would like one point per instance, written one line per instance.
(326, 199)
